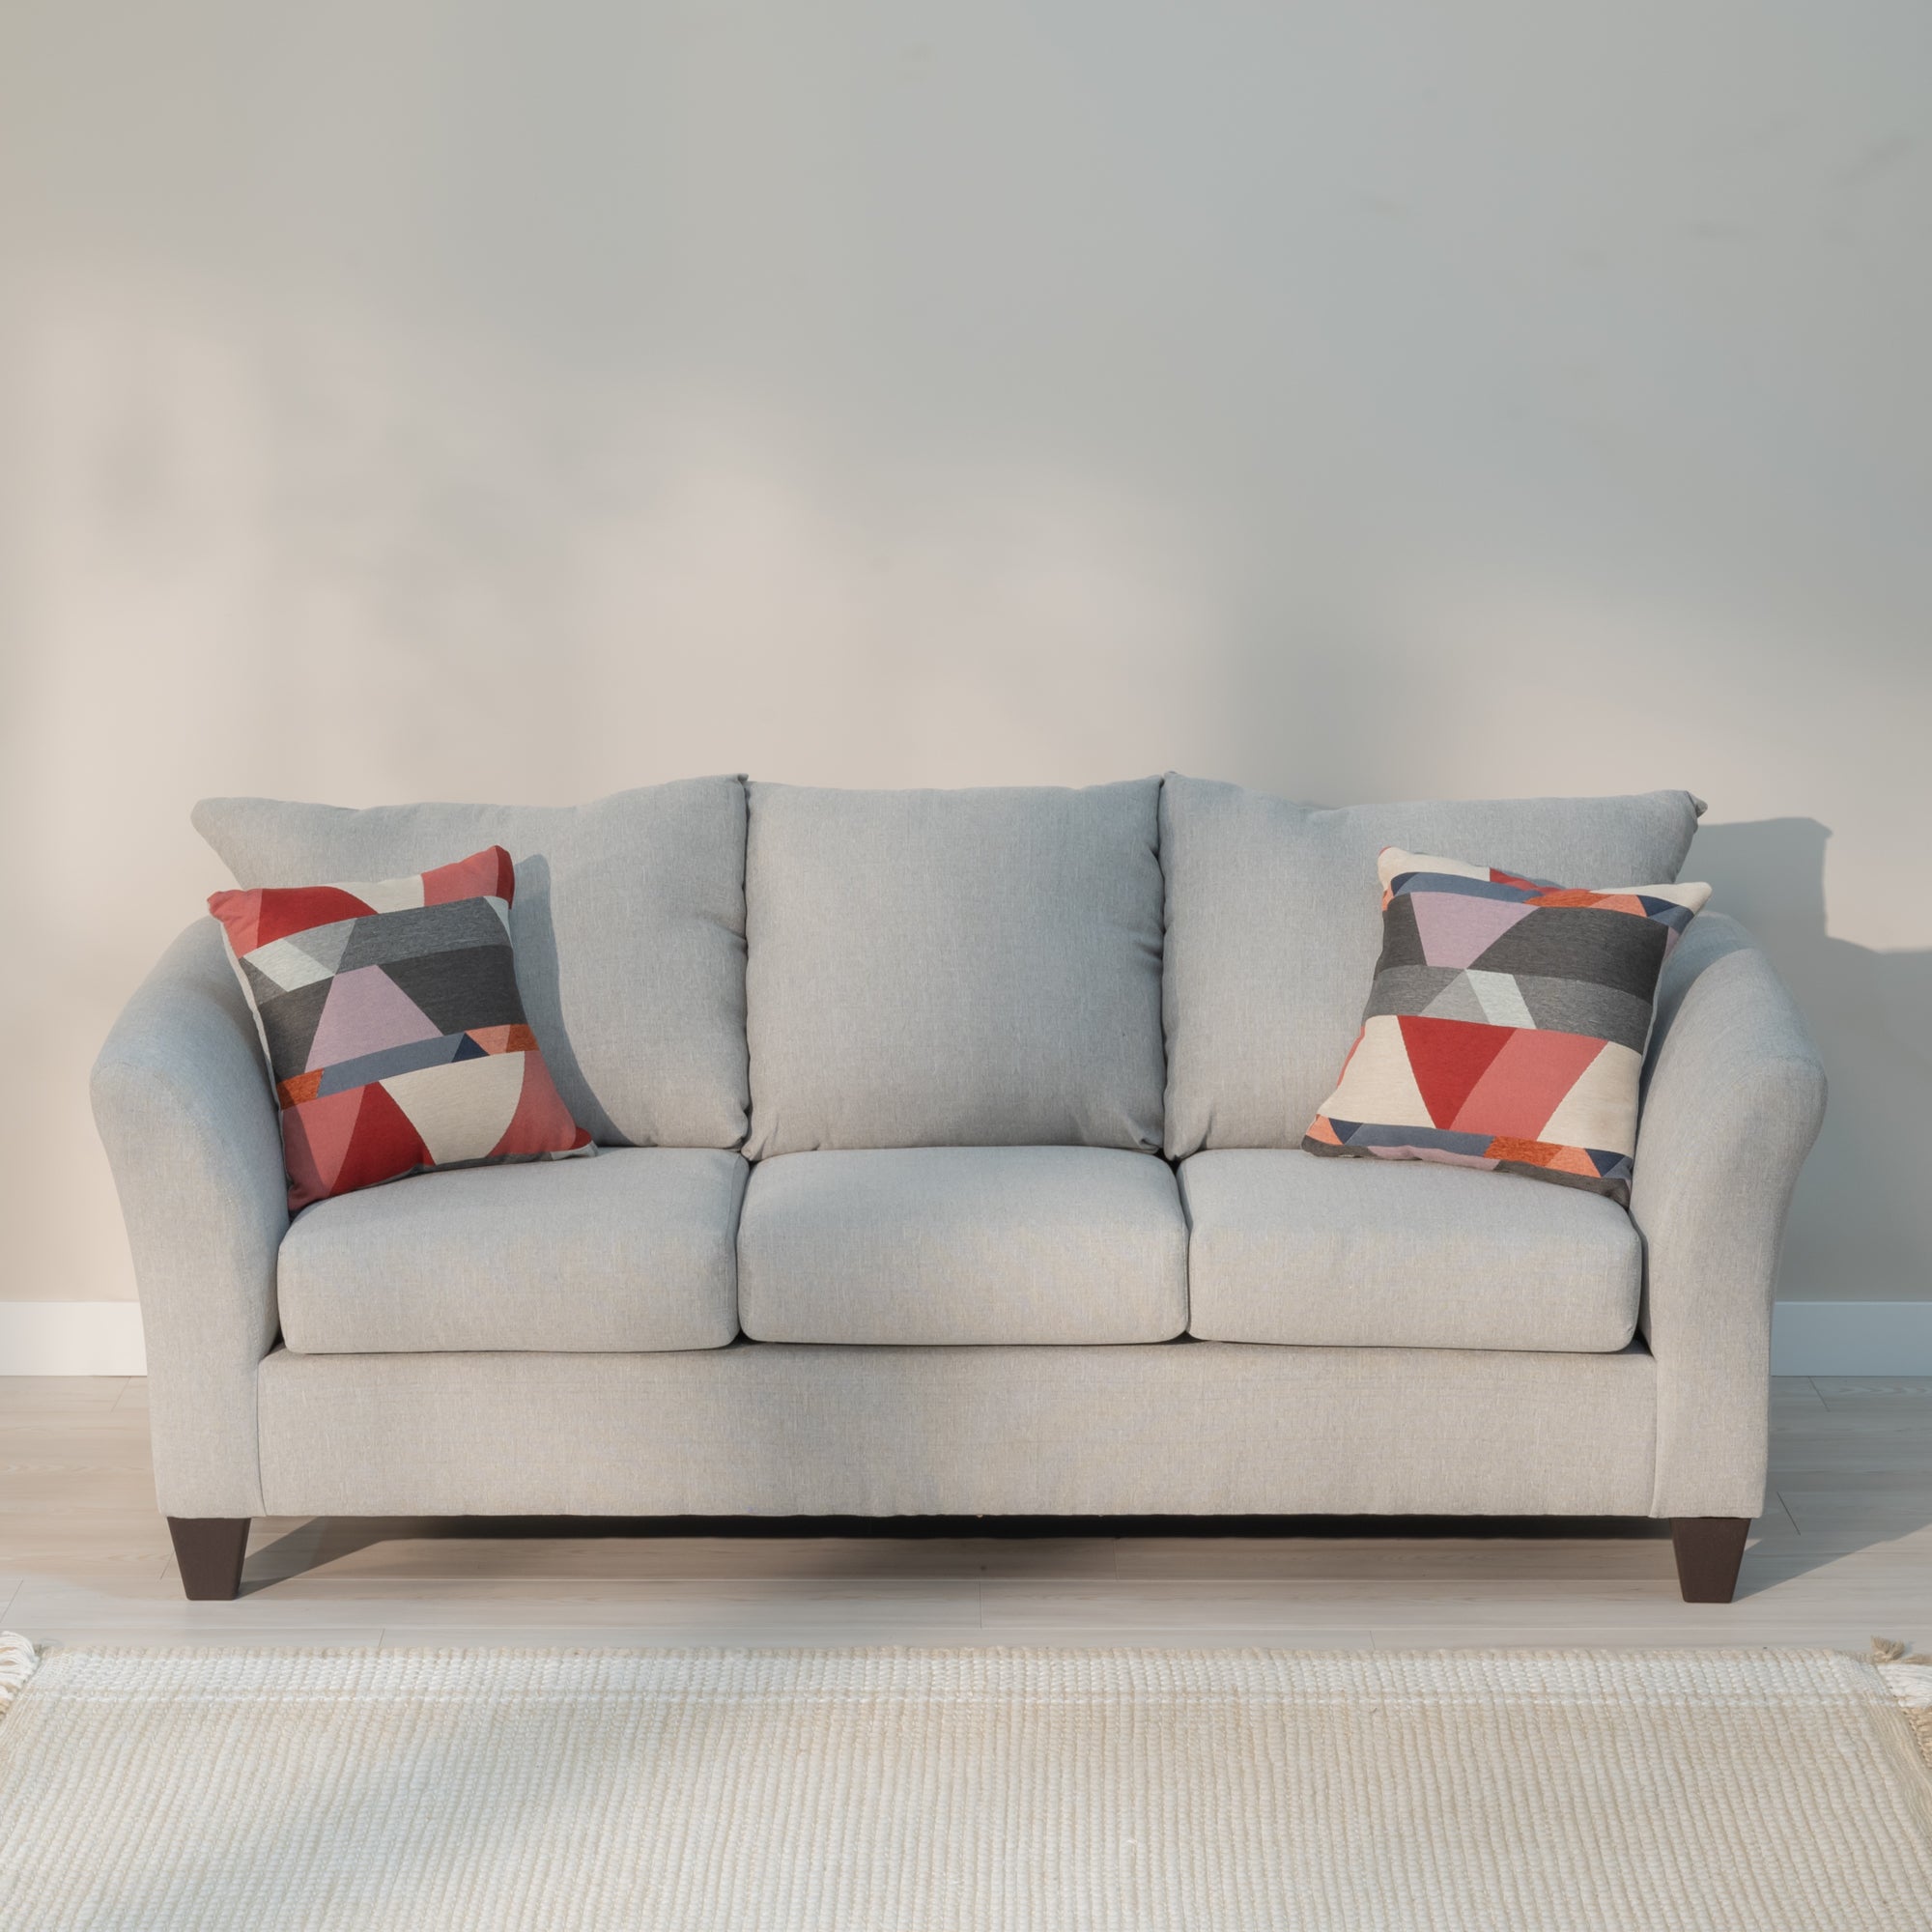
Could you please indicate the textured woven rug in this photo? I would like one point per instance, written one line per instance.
(965, 1791)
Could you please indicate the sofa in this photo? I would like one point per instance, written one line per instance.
(949, 1165)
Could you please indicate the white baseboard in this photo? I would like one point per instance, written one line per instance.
(1852, 1338)
(1807, 1338)
(71, 1338)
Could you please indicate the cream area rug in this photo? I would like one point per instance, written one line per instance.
(965, 1791)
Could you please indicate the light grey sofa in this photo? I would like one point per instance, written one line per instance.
(949, 1166)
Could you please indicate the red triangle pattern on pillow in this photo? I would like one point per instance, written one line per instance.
(1506, 1024)
(393, 1025)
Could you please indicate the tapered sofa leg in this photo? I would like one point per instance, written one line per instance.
(210, 1550)
(1708, 1548)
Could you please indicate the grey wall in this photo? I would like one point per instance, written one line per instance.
(1350, 399)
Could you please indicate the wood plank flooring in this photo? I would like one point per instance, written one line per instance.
(1844, 1550)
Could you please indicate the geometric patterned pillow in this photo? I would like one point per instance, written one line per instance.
(1506, 1024)
(393, 1026)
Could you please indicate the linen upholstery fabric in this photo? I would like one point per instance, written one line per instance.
(963, 1245)
(1674, 1425)
(955, 968)
(1168, 1428)
(1506, 1024)
(1734, 1098)
(1271, 937)
(634, 1250)
(1735, 1095)
(629, 927)
(184, 1112)
(1284, 1247)
(392, 1025)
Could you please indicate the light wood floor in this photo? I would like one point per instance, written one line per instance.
(1844, 1551)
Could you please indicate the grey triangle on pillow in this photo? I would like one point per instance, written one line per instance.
(1457, 1001)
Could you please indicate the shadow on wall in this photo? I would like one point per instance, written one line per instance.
(1860, 1225)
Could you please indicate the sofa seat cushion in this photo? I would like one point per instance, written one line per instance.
(634, 1250)
(1288, 1247)
(963, 1245)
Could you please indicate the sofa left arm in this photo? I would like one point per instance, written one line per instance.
(184, 1108)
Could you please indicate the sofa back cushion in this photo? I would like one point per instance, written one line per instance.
(1274, 928)
(629, 927)
(955, 968)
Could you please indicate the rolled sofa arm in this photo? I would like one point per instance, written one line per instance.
(1734, 1096)
(183, 1106)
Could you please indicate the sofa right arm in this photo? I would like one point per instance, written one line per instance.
(183, 1106)
(1734, 1098)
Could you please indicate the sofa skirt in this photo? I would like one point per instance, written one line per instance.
(769, 1429)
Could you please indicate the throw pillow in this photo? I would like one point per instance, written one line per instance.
(393, 1026)
(1506, 1024)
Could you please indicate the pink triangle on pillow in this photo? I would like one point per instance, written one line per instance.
(365, 1012)
(1457, 929)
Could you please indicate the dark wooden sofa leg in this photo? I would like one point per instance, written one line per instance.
(210, 1550)
(1709, 1550)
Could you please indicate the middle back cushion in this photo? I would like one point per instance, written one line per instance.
(953, 968)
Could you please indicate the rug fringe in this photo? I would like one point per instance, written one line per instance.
(19, 1660)
(1921, 1720)
(1909, 1679)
